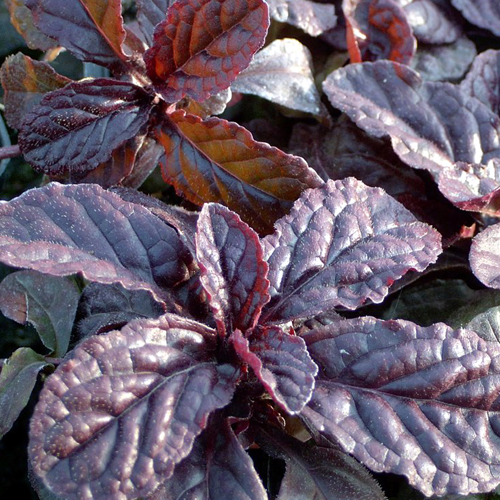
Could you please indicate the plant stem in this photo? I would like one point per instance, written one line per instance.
(9, 152)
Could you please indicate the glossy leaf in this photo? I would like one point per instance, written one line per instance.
(281, 362)
(431, 22)
(483, 13)
(219, 161)
(17, 380)
(25, 81)
(214, 105)
(312, 17)
(282, 73)
(317, 472)
(104, 308)
(90, 29)
(217, 467)
(22, 19)
(200, 47)
(47, 302)
(78, 127)
(378, 29)
(155, 380)
(485, 258)
(432, 126)
(483, 79)
(62, 230)
(233, 272)
(341, 245)
(422, 402)
(149, 14)
(444, 62)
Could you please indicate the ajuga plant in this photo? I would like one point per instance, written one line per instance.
(181, 347)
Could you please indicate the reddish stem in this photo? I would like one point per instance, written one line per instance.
(9, 152)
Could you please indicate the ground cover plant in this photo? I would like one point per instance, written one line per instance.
(314, 320)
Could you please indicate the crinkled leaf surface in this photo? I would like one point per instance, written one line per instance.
(341, 245)
(62, 230)
(109, 307)
(312, 17)
(90, 29)
(483, 79)
(79, 126)
(485, 256)
(432, 126)
(422, 402)
(233, 271)
(17, 379)
(22, 20)
(282, 73)
(201, 47)
(281, 362)
(149, 14)
(431, 22)
(483, 13)
(115, 419)
(218, 161)
(47, 302)
(378, 29)
(218, 467)
(316, 472)
(347, 151)
(446, 61)
(25, 81)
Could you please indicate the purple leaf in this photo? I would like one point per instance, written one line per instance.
(233, 271)
(314, 18)
(115, 419)
(17, 379)
(217, 468)
(432, 125)
(430, 22)
(483, 80)
(62, 230)
(317, 472)
(422, 402)
(103, 308)
(47, 302)
(149, 14)
(91, 30)
(444, 62)
(282, 73)
(483, 13)
(485, 257)
(281, 362)
(79, 126)
(341, 245)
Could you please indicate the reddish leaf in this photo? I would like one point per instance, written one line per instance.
(214, 105)
(91, 29)
(281, 362)
(62, 230)
(115, 419)
(217, 467)
(22, 19)
(78, 127)
(201, 47)
(341, 245)
(25, 81)
(233, 271)
(422, 402)
(483, 13)
(378, 29)
(484, 256)
(314, 18)
(218, 161)
(149, 14)
(282, 73)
